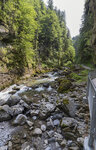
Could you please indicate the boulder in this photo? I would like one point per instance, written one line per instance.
(64, 85)
(13, 100)
(67, 106)
(5, 113)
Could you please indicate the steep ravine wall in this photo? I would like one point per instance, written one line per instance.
(92, 6)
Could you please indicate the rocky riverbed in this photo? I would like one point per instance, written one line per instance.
(38, 116)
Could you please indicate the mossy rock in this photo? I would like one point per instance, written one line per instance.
(66, 101)
(64, 85)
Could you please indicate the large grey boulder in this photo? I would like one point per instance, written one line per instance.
(5, 113)
(13, 100)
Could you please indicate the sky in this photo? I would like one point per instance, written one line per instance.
(74, 10)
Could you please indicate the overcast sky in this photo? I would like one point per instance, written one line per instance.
(74, 11)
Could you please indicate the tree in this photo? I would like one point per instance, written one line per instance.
(50, 4)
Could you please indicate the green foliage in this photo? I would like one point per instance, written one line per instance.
(37, 34)
(83, 44)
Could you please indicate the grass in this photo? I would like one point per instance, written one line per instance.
(81, 76)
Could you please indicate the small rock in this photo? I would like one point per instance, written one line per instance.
(34, 112)
(46, 142)
(67, 122)
(30, 124)
(64, 143)
(56, 122)
(37, 131)
(46, 85)
(48, 148)
(80, 140)
(17, 109)
(10, 145)
(34, 117)
(43, 127)
(4, 148)
(58, 137)
(50, 133)
(20, 120)
(57, 145)
(16, 88)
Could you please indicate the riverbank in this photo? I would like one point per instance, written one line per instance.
(38, 113)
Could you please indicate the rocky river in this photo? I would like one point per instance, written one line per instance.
(35, 116)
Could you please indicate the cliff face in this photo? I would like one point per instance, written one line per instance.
(92, 6)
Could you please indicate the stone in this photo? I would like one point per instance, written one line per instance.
(25, 146)
(74, 148)
(50, 124)
(13, 100)
(58, 137)
(64, 85)
(52, 140)
(20, 120)
(43, 127)
(17, 109)
(5, 112)
(46, 109)
(30, 124)
(48, 148)
(80, 140)
(16, 88)
(34, 117)
(57, 145)
(46, 85)
(56, 122)
(50, 133)
(46, 142)
(9, 145)
(24, 104)
(37, 131)
(34, 112)
(68, 122)
(64, 143)
(67, 106)
(57, 116)
(4, 148)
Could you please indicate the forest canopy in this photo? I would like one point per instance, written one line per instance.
(37, 35)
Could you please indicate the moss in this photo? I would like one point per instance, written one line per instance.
(75, 76)
(66, 101)
(64, 85)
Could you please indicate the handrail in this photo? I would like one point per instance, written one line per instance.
(90, 142)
